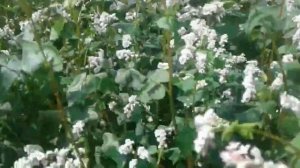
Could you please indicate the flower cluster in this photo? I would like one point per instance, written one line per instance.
(250, 71)
(101, 21)
(290, 102)
(205, 125)
(127, 148)
(97, 62)
(239, 155)
(161, 135)
(36, 157)
(129, 108)
(78, 128)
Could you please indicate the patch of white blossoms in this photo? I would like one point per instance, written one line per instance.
(102, 21)
(290, 102)
(143, 153)
(163, 65)
(127, 147)
(6, 32)
(126, 40)
(241, 156)
(78, 128)
(287, 58)
(161, 135)
(214, 8)
(133, 163)
(96, 62)
(205, 125)
(296, 36)
(278, 82)
(250, 72)
(129, 108)
(36, 157)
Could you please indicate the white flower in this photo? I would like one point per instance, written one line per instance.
(209, 118)
(240, 155)
(274, 64)
(290, 102)
(278, 82)
(201, 84)
(112, 105)
(125, 54)
(205, 125)
(289, 5)
(96, 62)
(36, 157)
(227, 94)
(200, 61)
(170, 3)
(77, 128)
(161, 137)
(186, 54)
(150, 119)
(130, 16)
(127, 147)
(189, 39)
(204, 139)
(129, 108)
(163, 65)
(32, 148)
(223, 40)
(181, 31)
(143, 153)
(172, 43)
(23, 163)
(237, 59)
(222, 74)
(126, 40)
(287, 58)
(212, 8)
(133, 163)
(249, 81)
(101, 21)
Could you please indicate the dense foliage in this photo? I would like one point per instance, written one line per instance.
(149, 83)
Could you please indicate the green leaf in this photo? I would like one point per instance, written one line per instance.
(31, 56)
(184, 140)
(288, 124)
(52, 55)
(186, 85)
(130, 77)
(109, 149)
(245, 130)
(109, 140)
(295, 142)
(159, 76)
(175, 156)
(165, 23)
(156, 92)
(7, 77)
(122, 76)
(57, 28)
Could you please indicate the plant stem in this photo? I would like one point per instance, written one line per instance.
(275, 52)
(55, 90)
(280, 140)
(160, 153)
(168, 54)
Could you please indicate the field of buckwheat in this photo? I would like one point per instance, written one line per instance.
(149, 83)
